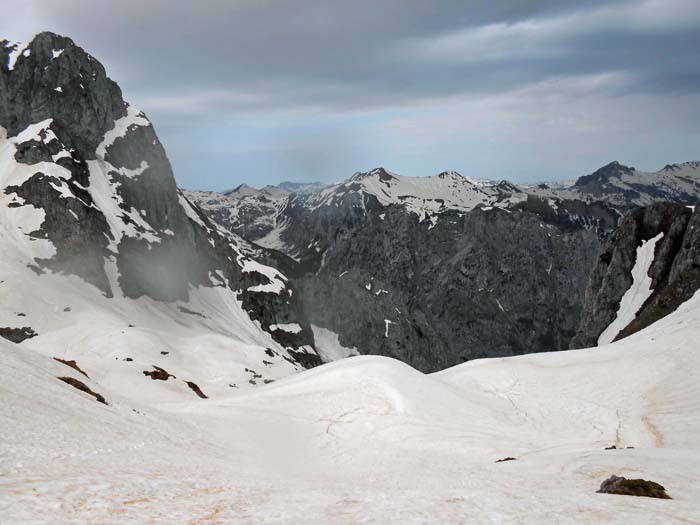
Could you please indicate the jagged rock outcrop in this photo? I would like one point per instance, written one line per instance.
(674, 270)
(633, 487)
(92, 166)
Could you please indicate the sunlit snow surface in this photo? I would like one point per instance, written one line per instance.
(365, 439)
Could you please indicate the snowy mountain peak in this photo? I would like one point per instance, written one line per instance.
(424, 196)
(242, 190)
(94, 222)
(19, 51)
(604, 174)
(508, 187)
(380, 173)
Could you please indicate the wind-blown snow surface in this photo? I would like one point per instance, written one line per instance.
(367, 439)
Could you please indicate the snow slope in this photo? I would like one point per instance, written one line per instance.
(207, 339)
(369, 440)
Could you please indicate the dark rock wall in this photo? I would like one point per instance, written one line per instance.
(478, 284)
(674, 271)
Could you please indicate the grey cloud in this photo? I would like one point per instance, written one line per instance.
(339, 53)
(271, 73)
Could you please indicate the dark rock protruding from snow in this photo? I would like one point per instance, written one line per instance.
(158, 374)
(17, 335)
(633, 487)
(84, 388)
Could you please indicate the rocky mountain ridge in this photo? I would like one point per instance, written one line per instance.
(87, 193)
(598, 199)
(433, 271)
(452, 268)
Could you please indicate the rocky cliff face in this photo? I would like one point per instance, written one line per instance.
(438, 270)
(93, 167)
(660, 280)
(480, 284)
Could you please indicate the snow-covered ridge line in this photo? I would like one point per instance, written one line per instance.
(431, 195)
(427, 197)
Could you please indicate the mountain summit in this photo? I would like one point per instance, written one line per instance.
(98, 223)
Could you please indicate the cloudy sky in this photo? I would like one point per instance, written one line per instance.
(261, 91)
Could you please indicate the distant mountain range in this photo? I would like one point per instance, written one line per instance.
(430, 270)
(438, 270)
(253, 212)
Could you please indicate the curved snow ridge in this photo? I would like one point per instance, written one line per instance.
(133, 117)
(628, 393)
(373, 385)
(637, 294)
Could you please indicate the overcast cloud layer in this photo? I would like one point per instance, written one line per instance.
(261, 91)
